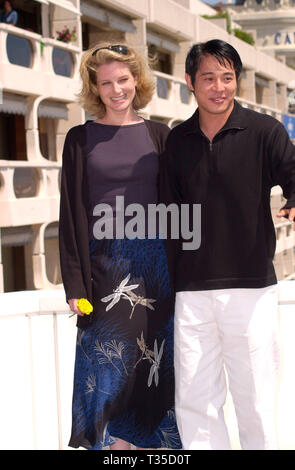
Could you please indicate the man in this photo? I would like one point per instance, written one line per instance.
(226, 158)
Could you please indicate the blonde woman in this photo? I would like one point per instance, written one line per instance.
(124, 382)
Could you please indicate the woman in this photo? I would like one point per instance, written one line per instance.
(124, 383)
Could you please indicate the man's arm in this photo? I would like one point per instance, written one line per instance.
(283, 169)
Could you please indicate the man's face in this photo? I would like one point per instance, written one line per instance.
(215, 86)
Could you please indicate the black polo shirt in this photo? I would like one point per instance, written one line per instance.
(231, 178)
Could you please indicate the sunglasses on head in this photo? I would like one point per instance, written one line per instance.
(116, 48)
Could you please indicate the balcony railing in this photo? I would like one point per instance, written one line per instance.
(32, 51)
(261, 108)
(174, 100)
(37, 345)
(171, 87)
(28, 191)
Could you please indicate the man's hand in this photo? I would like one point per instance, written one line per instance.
(289, 214)
(74, 308)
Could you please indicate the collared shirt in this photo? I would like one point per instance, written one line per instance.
(231, 178)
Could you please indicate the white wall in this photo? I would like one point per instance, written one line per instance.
(37, 348)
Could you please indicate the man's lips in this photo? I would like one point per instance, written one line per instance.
(218, 100)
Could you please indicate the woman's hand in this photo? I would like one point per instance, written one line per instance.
(74, 308)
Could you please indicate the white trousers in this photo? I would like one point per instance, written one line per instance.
(236, 330)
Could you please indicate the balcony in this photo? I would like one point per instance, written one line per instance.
(28, 192)
(37, 340)
(172, 98)
(48, 67)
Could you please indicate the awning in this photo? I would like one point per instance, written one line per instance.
(113, 20)
(16, 236)
(162, 41)
(22, 235)
(120, 23)
(261, 82)
(53, 110)
(13, 104)
(17, 104)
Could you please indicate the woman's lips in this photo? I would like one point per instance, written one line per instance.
(119, 98)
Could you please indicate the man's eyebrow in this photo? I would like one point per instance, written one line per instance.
(212, 73)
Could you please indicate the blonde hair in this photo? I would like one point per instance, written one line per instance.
(89, 96)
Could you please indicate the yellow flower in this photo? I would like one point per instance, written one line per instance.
(84, 306)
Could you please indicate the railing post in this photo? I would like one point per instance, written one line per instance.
(57, 382)
(1, 267)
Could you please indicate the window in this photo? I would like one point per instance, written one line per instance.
(62, 62)
(25, 182)
(19, 50)
(161, 61)
(29, 15)
(14, 271)
(12, 137)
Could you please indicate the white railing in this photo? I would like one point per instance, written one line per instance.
(171, 99)
(41, 57)
(29, 191)
(171, 95)
(37, 347)
(260, 108)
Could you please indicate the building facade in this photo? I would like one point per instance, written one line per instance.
(39, 80)
(272, 24)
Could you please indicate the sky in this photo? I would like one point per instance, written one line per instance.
(213, 2)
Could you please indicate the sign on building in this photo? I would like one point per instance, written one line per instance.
(289, 123)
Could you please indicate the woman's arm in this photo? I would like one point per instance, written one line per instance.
(69, 226)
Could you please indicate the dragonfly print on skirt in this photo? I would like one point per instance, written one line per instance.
(126, 292)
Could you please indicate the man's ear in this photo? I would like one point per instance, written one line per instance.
(189, 82)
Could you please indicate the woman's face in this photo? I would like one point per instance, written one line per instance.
(116, 86)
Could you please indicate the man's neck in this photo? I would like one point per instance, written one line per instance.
(210, 124)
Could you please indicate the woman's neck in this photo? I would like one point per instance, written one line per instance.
(120, 119)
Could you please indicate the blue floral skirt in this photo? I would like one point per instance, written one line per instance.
(124, 376)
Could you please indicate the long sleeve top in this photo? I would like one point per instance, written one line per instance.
(73, 220)
(231, 178)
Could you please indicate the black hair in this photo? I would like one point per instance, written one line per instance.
(221, 50)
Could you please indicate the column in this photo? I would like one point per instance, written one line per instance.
(269, 94)
(246, 85)
(282, 99)
(138, 39)
(179, 59)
